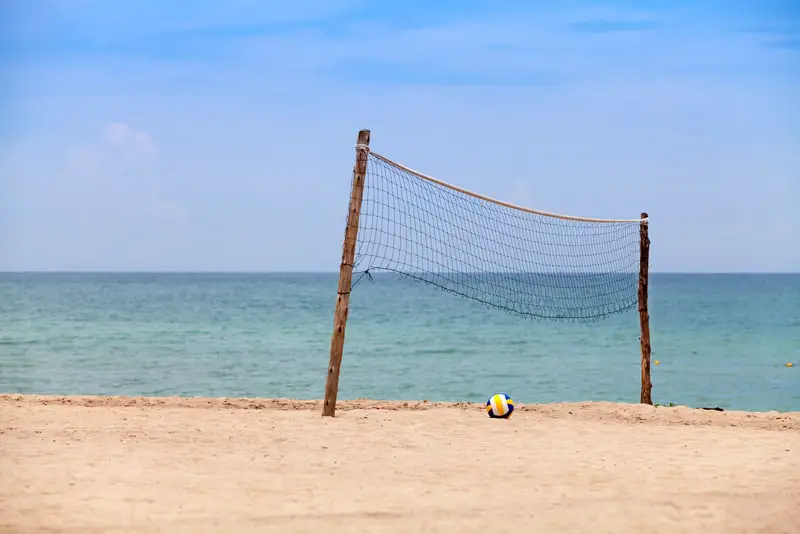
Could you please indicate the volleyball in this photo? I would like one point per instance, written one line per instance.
(499, 406)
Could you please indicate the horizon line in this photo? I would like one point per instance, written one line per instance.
(109, 271)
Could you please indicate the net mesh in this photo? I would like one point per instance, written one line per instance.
(524, 263)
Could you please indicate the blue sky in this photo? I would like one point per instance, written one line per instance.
(211, 135)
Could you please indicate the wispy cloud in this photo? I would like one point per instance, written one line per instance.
(119, 168)
(785, 44)
(377, 73)
(613, 26)
(123, 137)
(352, 40)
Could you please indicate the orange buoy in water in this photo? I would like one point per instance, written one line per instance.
(789, 364)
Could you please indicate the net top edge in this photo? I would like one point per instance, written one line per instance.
(486, 198)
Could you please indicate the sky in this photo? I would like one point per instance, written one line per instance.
(199, 135)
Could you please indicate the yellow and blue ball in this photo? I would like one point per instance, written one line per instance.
(500, 406)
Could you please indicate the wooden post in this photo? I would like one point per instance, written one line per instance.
(644, 316)
(346, 274)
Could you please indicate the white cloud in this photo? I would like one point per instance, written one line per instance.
(120, 135)
(120, 167)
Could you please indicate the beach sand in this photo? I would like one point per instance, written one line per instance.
(116, 464)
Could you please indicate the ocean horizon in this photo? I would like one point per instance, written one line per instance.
(720, 339)
(336, 271)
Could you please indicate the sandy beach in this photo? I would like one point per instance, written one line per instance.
(133, 465)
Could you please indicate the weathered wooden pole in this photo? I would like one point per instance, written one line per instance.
(644, 316)
(346, 274)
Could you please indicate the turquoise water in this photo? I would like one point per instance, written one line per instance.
(722, 340)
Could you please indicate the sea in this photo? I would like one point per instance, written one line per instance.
(719, 340)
